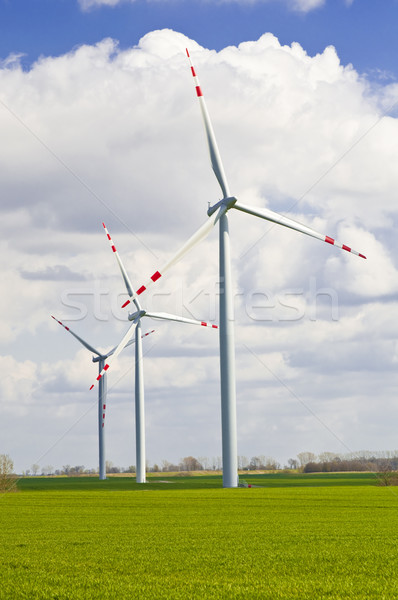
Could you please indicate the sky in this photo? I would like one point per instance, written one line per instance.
(100, 123)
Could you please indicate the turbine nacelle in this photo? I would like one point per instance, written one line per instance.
(96, 359)
(137, 315)
(224, 205)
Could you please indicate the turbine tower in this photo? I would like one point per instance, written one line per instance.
(218, 213)
(102, 393)
(136, 317)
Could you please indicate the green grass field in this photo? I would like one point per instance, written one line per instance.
(296, 537)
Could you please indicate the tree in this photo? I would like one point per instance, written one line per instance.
(216, 463)
(168, 466)
(293, 463)
(113, 469)
(47, 470)
(35, 469)
(242, 462)
(204, 461)
(306, 457)
(7, 481)
(328, 457)
(312, 467)
(255, 463)
(190, 463)
(77, 470)
(386, 475)
(263, 463)
(270, 464)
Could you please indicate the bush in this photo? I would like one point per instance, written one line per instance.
(386, 475)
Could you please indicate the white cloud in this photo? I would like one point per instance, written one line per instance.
(87, 4)
(297, 5)
(306, 5)
(103, 134)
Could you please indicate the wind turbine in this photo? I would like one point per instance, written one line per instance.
(218, 213)
(102, 393)
(136, 317)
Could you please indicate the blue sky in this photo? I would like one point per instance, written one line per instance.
(363, 31)
(111, 131)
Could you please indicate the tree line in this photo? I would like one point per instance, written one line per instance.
(362, 461)
(306, 462)
(186, 464)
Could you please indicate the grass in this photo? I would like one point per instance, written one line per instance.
(157, 482)
(300, 537)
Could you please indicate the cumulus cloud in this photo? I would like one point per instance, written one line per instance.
(56, 273)
(104, 134)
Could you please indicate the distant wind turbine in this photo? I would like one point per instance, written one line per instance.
(218, 213)
(136, 317)
(100, 358)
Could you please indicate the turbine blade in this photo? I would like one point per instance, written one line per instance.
(83, 342)
(270, 215)
(168, 317)
(215, 157)
(125, 276)
(128, 344)
(199, 235)
(117, 350)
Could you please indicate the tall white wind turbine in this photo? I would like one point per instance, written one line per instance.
(136, 317)
(218, 213)
(100, 358)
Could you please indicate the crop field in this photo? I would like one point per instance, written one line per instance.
(292, 537)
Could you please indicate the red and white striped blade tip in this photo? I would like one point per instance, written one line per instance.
(109, 238)
(60, 322)
(333, 242)
(204, 324)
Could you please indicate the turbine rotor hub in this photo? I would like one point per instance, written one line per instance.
(227, 203)
(137, 315)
